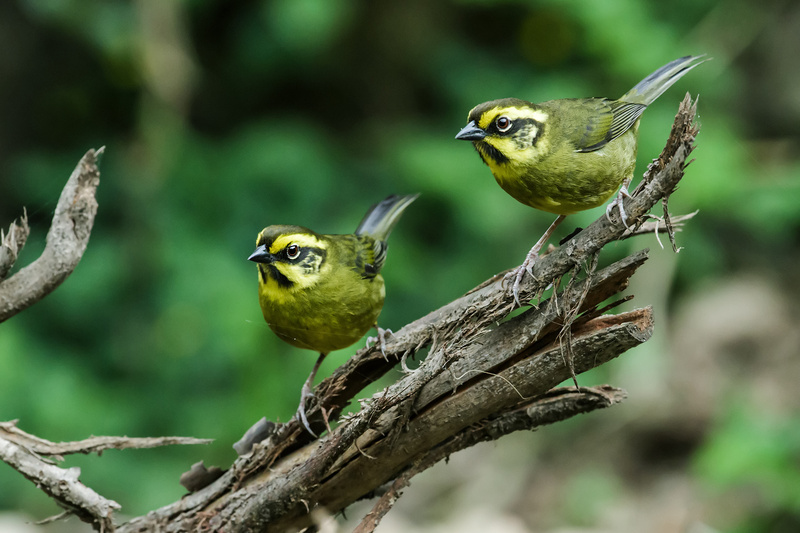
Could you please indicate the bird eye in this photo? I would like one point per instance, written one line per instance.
(292, 251)
(503, 124)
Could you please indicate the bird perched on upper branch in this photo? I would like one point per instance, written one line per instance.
(324, 292)
(565, 156)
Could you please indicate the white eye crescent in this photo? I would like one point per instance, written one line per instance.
(292, 251)
(503, 124)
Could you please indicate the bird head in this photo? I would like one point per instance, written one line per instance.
(290, 256)
(505, 132)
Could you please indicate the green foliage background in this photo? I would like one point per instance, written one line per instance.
(220, 118)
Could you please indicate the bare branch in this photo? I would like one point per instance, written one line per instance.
(658, 225)
(23, 452)
(483, 377)
(66, 241)
(10, 432)
(479, 368)
(391, 441)
(555, 406)
(61, 485)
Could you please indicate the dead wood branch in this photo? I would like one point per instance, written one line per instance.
(511, 366)
(384, 450)
(484, 376)
(66, 242)
(11, 433)
(24, 452)
(555, 406)
(657, 225)
(61, 485)
(481, 368)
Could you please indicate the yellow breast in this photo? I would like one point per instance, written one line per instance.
(330, 313)
(562, 181)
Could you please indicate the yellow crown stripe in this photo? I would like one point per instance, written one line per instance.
(303, 240)
(512, 113)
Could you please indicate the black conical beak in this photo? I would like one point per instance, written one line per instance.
(471, 132)
(261, 255)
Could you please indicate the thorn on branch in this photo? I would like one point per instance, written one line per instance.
(258, 432)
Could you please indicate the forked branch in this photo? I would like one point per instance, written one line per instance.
(476, 381)
(28, 454)
(66, 242)
(484, 376)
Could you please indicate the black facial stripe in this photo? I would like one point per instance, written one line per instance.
(487, 150)
(275, 274)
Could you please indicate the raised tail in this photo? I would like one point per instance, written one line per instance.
(381, 217)
(646, 91)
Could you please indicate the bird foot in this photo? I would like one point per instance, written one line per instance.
(305, 394)
(530, 260)
(518, 273)
(381, 338)
(617, 202)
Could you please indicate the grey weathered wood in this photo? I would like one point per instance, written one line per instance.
(66, 241)
(11, 244)
(60, 484)
(481, 374)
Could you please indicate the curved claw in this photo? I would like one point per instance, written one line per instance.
(381, 338)
(306, 393)
(518, 273)
(617, 202)
(517, 280)
(530, 259)
(301, 409)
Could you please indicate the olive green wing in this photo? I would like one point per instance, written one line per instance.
(370, 256)
(591, 123)
(625, 116)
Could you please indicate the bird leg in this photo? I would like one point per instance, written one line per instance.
(307, 393)
(530, 259)
(623, 193)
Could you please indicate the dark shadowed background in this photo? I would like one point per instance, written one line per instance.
(220, 118)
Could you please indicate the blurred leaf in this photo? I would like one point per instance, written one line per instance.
(756, 450)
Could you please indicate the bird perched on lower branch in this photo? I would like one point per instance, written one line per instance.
(324, 292)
